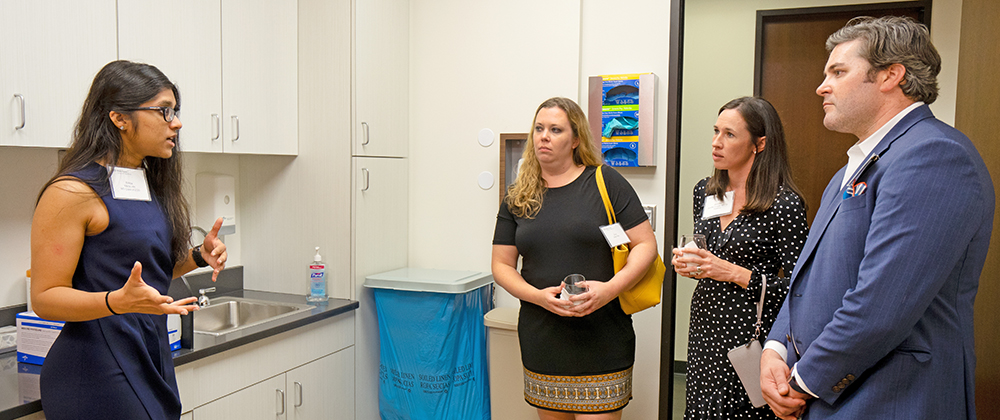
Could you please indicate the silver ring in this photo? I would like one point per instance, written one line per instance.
(697, 272)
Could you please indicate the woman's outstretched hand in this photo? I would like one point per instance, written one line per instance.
(139, 297)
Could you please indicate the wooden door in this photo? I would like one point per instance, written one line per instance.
(791, 54)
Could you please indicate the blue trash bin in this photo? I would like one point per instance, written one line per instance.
(432, 344)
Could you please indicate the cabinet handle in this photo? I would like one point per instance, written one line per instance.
(280, 396)
(364, 173)
(216, 127)
(236, 127)
(298, 394)
(20, 100)
(364, 129)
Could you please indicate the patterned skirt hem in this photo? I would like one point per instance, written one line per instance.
(579, 394)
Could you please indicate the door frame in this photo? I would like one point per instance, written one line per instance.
(668, 315)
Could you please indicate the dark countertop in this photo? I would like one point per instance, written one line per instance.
(23, 378)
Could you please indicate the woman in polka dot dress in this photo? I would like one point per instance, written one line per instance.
(754, 222)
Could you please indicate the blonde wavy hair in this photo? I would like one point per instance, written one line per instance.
(524, 197)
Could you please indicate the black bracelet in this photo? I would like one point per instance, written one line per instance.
(108, 304)
(198, 259)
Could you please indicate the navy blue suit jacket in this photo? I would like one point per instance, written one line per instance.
(880, 302)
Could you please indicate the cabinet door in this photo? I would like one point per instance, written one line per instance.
(190, 54)
(260, 76)
(380, 244)
(323, 389)
(381, 77)
(265, 400)
(49, 54)
(380, 203)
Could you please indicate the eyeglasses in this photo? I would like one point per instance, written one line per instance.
(168, 112)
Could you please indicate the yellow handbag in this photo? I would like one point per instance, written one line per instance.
(646, 293)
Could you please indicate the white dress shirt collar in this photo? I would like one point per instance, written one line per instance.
(857, 153)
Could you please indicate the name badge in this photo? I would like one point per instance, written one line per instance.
(715, 207)
(129, 184)
(615, 234)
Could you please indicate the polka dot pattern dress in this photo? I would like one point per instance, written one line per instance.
(723, 314)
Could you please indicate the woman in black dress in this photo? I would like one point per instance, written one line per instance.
(754, 222)
(577, 355)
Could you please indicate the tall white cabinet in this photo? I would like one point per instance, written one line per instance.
(381, 57)
(380, 241)
(234, 62)
(41, 93)
(380, 140)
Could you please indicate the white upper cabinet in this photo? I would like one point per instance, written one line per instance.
(49, 54)
(381, 71)
(235, 63)
(260, 76)
(190, 54)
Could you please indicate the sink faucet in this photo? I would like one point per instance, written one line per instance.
(199, 230)
(203, 300)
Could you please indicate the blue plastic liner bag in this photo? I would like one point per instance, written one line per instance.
(433, 355)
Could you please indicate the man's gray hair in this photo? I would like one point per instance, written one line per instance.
(890, 40)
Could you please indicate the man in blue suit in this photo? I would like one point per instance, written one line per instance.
(878, 319)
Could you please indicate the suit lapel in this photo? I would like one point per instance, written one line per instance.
(827, 208)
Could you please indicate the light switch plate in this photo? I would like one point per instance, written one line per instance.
(651, 214)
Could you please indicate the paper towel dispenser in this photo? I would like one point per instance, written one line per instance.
(215, 196)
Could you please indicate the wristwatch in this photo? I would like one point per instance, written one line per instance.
(795, 385)
(198, 259)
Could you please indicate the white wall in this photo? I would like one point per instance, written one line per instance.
(718, 66)
(23, 171)
(478, 65)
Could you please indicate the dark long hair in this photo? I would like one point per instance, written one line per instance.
(118, 86)
(770, 169)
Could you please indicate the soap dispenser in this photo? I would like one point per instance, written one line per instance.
(317, 279)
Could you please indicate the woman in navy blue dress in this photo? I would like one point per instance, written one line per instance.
(110, 231)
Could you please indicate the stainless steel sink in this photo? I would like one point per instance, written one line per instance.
(231, 317)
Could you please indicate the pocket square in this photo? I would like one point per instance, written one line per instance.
(855, 190)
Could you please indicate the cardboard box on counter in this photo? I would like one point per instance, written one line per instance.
(174, 331)
(34, 337)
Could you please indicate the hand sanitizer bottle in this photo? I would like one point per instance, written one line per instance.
(317, 279)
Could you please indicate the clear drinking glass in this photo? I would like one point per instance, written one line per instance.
(693, 241)
(573, 285)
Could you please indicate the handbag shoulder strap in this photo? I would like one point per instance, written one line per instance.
(760, 305)
(604, 196)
